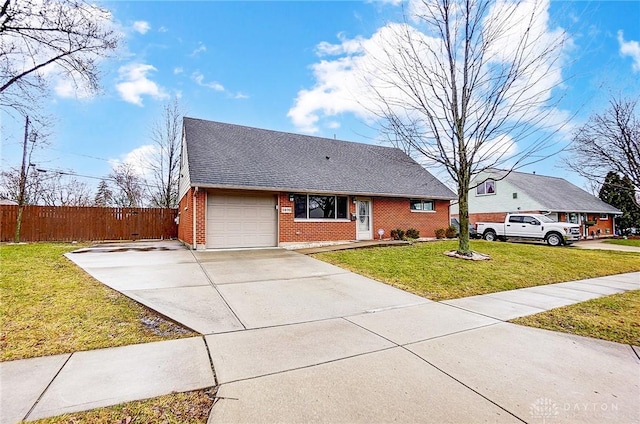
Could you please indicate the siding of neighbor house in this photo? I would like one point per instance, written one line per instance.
(538, 194)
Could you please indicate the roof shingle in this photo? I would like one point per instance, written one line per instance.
(233, 156)
(557, 194)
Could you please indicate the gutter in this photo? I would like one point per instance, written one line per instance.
(194, 244)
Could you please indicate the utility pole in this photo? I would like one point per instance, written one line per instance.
(23, 181)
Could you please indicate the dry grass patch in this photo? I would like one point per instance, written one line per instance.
(49, 306)
(424, 270)
(615, 318)
(190, 407)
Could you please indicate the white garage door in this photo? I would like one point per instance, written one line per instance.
(241, 221)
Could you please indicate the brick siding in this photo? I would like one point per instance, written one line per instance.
(392, 213)
(388, 214)
(185, 227)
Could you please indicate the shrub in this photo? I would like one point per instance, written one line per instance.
(451, 232)
(412, 233)
(397, 234)
(440, 233)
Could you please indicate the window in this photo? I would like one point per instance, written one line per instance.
(487, 187)
(530, 220)
(422, 205)
(515, 219)
(311, 206)
(604, 216)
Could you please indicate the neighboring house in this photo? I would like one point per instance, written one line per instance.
(249, 187)
(497, 194)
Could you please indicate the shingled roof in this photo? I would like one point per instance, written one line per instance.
(232, 156)
(556, 194)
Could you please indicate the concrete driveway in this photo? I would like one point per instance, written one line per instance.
(293, 339)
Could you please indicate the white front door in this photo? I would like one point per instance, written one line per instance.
(363, 222)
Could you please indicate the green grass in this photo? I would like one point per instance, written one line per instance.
(623, 242)
(424, 270)
(49, 306)
(190, 407)
(615, 318)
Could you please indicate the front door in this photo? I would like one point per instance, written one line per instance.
(363, 224)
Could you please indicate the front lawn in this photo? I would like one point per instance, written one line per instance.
(424, 270)
(49, 306)
(176, 408)
(624, 242)
(615, 318)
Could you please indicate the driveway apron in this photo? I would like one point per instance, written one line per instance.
(293, 339)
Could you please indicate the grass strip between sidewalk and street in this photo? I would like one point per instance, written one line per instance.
(624, 242)
(423, 269)
(615, 318)
(176, 408)
(48, 306)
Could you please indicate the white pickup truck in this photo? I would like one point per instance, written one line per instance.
(531, 227)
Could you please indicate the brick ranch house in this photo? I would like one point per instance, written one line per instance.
(497, 193)
(248, 187)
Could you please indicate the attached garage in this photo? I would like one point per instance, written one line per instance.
(241, 220)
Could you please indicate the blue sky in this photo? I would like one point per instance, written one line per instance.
(265, 64)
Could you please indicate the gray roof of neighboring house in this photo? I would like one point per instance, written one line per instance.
(233, 156)
(557, 194)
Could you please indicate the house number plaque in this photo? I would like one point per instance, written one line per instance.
(286, 209)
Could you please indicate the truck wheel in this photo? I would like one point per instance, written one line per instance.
(554, 239)
(489, 235)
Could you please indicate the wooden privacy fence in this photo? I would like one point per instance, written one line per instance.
(71, 223)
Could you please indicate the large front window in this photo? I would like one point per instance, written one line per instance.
(314, 206)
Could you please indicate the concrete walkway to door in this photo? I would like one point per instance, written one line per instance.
(293, 339)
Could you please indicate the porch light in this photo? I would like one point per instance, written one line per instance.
(291, 197)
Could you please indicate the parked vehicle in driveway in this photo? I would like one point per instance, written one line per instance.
(530, 227)
(472, 229)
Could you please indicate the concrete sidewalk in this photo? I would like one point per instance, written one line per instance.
(54, 385)
(293, 339)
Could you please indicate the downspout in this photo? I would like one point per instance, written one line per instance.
(194, 244)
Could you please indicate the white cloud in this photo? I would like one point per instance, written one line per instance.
(346, 46)
(141, 160)
(630, 48)
(199, 79)
(178, 71)
(391, 2)
(240, 95)
(200, 49)
(141, 27)
(345, 82)
(163, 29)
(135, 83)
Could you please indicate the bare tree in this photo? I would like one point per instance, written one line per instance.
(41, 38)
(62, 190)
(608, 141)
(130, 186)
(10, 186)
(466, 85)
(165, 163)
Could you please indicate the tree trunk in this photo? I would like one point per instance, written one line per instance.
(464, 247)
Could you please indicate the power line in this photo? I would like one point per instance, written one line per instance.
(75, 174)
